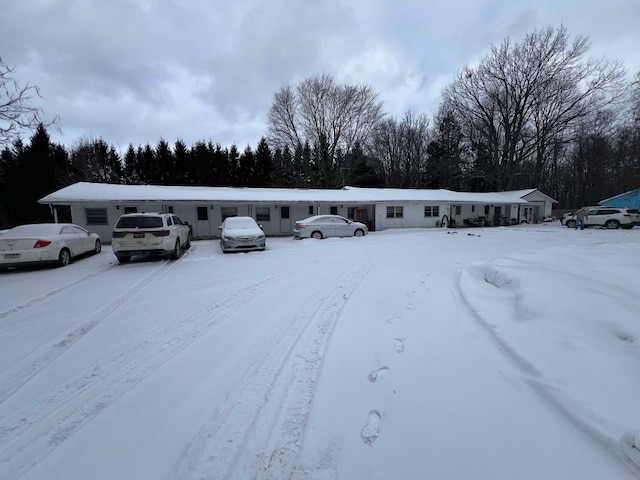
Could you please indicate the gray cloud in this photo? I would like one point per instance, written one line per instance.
(135, 71)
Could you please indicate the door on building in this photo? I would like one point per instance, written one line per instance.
(285, 219)
(528, 214)
(455, 214)
(497, 213)
(202, 228)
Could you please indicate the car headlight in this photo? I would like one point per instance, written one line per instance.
(227, 237)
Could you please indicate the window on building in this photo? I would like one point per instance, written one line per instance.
(228, 212)
(130, 210)
(263, 214)
(351, 213)
(486, 209)
(458, 209)
(473, 208)
(310, 209)
(431, 211)
(96, 216)
(285, 212)
(202, 214)
(395, 212)
(334, 210)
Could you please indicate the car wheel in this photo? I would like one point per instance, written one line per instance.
(187, 245)
(613, 224)
(176, 250)
(571, 223)
(64, 258)
(359, 233)
(123, 258)
(98, 247)
(317, 235)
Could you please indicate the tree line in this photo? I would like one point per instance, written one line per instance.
(531, 114)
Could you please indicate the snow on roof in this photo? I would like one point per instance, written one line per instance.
(83, 192)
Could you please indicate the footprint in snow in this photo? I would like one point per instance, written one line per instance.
(398, 345)
(376, 375)
(393, 320)
(410, 306)
(371, 430)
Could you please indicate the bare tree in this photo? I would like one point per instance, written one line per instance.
(523, 97)
(635, 98)
(16, 109)
(330, 117)
(400, 149)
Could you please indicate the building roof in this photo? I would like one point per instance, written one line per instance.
(84, 192)
(630, 199)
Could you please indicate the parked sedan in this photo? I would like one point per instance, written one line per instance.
(241, 234)
(46, 243)
(322, 226)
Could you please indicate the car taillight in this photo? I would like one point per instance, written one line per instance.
(161, 233)
(42, 243)
(118, 234)
(301, 225)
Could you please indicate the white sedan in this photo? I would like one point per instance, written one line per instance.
(241, 233)
(322, 226)
(46, 243)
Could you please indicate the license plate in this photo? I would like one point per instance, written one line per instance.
(138, 235)
(11, 255)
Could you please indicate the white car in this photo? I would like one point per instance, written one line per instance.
(150, 234)
(46, 243)
(241, 234)
(608, 217)
(322, 226)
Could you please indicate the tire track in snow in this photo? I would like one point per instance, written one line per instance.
(540, 385)
(51, 293)
(261, 427)
(33, 431)
(19, 377)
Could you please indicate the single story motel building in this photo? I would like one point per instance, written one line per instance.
(97, 206)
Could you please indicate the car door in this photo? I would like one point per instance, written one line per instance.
(71, 238)
(183, 229)
(343, 227)
(594, 217)
(86, 242)
(325, 225)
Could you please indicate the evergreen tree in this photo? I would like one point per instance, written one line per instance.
(233, 162)
(263, 170)
(181, 167)
(246, 167)
(41, 168)
(164, 164)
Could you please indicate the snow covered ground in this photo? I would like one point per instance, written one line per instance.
(489, 353)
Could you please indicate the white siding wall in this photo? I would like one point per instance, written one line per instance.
(412, 216)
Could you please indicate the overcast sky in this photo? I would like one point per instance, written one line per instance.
(135, 71)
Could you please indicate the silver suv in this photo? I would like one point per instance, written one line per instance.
(150, 234)
(608, 217)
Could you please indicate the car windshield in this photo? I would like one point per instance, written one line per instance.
(240, 222)
(139, 222)
(34, 230)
